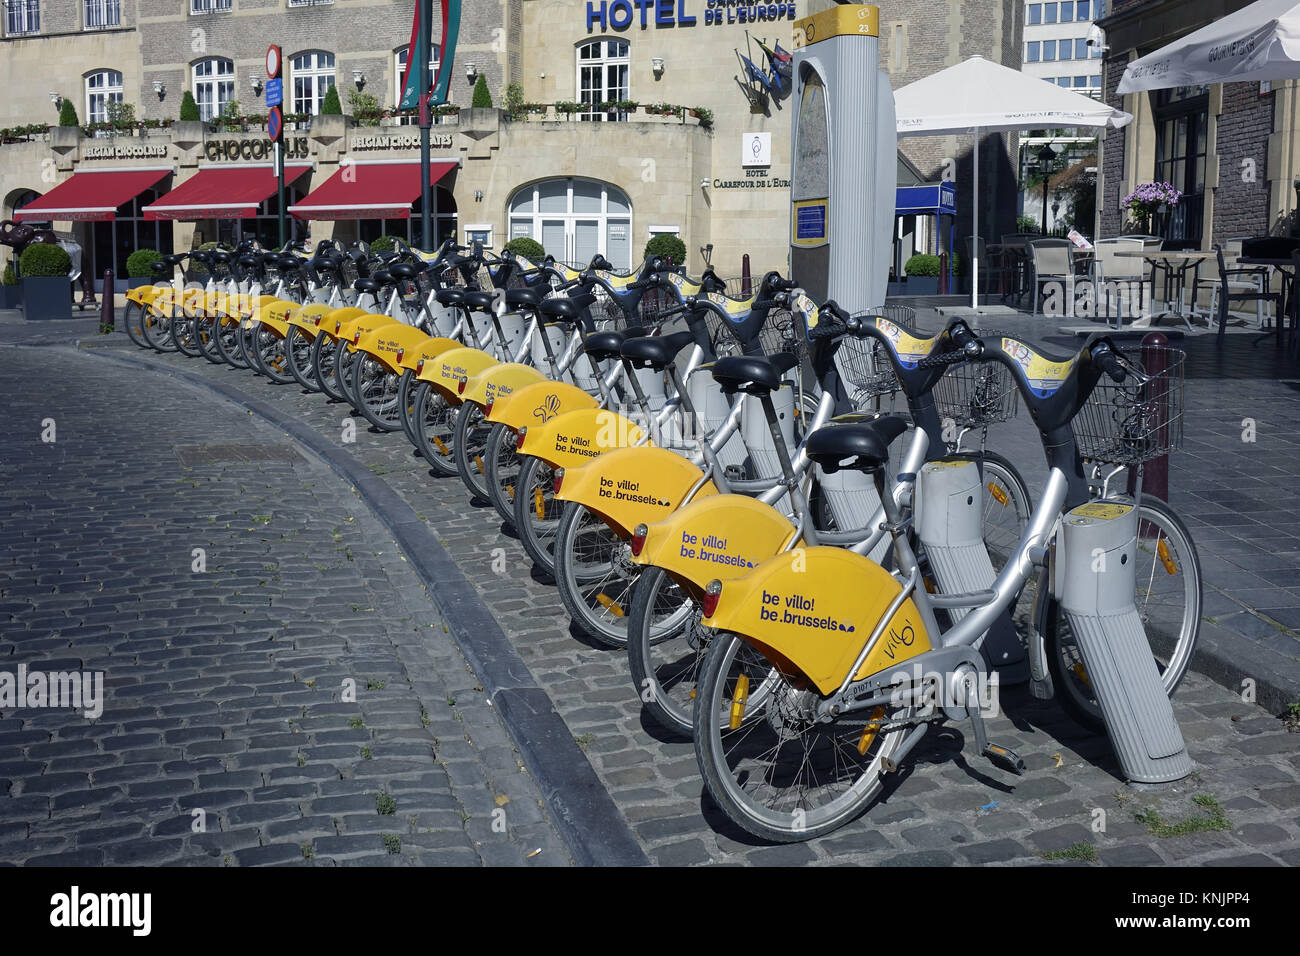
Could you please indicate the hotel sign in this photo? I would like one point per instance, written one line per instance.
(621, 14)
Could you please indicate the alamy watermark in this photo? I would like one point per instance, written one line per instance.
(78, 690)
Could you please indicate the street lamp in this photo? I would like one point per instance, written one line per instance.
(1046, 161)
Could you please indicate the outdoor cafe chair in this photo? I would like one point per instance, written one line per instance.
(1243, 279)
(1113, 276)
(1251, 292)
(1053, 261)
(992, 265)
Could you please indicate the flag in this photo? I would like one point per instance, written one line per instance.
(778, 59)
(756, 75)
(416, 82)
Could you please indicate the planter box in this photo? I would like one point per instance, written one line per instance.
(46, 298)
(11, 296)
(64, 139)
(922, 285)
(895, 288)
(136, 282)
(187, 134)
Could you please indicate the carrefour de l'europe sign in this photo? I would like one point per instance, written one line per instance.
(620, 14)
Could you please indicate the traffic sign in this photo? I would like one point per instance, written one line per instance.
(274, 92)
(272, 62)
(274, 124)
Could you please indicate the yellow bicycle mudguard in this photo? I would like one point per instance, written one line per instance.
(388, 341)
(632, 486)
(498, 382)
(329, 323)
(346, 330)
(815, 608)
(579, 436)
(537, 403)
(275, 316)
(410, 357)
(446, 371)
(721, 536)
(305, 317)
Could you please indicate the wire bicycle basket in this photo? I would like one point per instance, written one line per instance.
(1131, 422)
(863, 363)
(977, 394)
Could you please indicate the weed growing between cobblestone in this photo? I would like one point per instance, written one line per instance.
(1083, 852)
(375, 684)
(585, 741)
(424, 717)
(392, 842)
(1291, 719)
(385, 805)
(307, 851)
(1217, 819)
(356, 723)
(365, 753)
(302, 759)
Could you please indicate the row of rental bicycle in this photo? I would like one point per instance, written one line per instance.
(787, 515)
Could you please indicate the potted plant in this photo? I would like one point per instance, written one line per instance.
(704, 115)
(47, 290)
(527, 247)
(64, 137)
(11, 295)
(922, 272)
(567, 108)
(535, 110)
(1149, 200)
(121, 117)
(627, 106)
(365, 107)
(139, 267)
(666, 246)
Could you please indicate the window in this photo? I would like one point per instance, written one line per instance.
(1094, 82)
(1049, 13)
(1094, 52)
(101, 14)
(1066, 50)
(214, 86)
(1080, 81)
(313, 77)
(574, 219)
(1035, 14)
(602, 78)
(22, 16)
(399, 70)
(209, 6)
(1063, 81)
(1182, 120)
(1049, 50)
(1081, 49)
(1081, 10)
(1031, 51)
(102, 87)
(1067, 11)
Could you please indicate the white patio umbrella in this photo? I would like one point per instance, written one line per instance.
(978, 95)
(1258, 42)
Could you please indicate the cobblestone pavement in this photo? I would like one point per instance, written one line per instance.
(230, 588)
(944, 808)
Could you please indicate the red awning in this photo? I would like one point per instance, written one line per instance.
(383, 189)
(222, 192)
(92, 195)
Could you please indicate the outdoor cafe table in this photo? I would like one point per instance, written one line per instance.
(1176, 265)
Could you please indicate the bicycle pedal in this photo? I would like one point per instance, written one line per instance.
(1006, 759)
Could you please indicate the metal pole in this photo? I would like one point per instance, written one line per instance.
(279, 186)
(1155, 474)
(426, 120)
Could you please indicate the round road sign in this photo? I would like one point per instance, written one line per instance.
(274, 123)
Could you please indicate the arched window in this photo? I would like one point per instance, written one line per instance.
(214, 86)
(399, 70)
(602, 78)
(574, 219)
(313, 77)
(102, 87)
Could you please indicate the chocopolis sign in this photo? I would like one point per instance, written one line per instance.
(619, 14)
(230, 150)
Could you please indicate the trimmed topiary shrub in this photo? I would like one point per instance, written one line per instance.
(189, 109)
(10, 277)
(922, 264)
(43, 259)
(139, 263)
(383, 244)
(68, 114)
(666, 246)
(331, 106)
(524, 246)
(482, 98)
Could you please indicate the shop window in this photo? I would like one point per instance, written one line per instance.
(102, 87)
(602, 78)
(214, 86)
(313, 77)
(1182, 130)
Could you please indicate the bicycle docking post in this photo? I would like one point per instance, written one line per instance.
(1095, 572)
(950, 523)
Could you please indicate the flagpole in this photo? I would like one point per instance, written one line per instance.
(425, 42)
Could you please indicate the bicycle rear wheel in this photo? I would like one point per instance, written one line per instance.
(324, 355)
(301, 363)
(472, 433)
(781, 776)
(228, 344)
(434, 424)
(158, 332)
(133, 320)
(376, 390)
(665, 648)
(1168, 597)
(182, 333)
(502, 461)
(273, 355)
(594, 574)
(537, 513)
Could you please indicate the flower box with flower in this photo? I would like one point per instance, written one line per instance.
(1148, 199)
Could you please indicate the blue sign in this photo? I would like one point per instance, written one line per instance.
(931, 199)
(274, 92)
(274, 123)
(810, 222)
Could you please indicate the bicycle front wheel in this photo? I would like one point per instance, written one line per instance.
(1168, 598)
(376, 391)
(272, 354)
(471, 444)
(133, 318)
(537, 513)
(594, 574)
(502, 461)
(300, 351)
(434, 425)
(158, 332)
(781, 776)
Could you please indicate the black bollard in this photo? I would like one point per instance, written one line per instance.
(745, 281)
(1155, 359)
(943, 273)
(107, 312)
